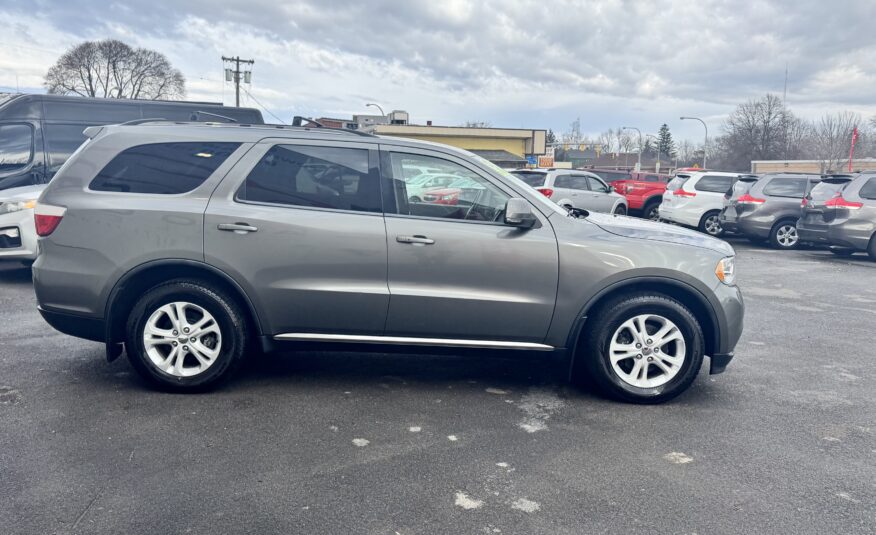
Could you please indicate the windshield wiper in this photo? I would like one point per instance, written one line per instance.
(578, 213)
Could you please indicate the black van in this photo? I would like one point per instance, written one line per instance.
(39, 132)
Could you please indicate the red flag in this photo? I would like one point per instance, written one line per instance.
(852, 151)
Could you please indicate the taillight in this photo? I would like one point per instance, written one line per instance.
(547, 192)
(681, 193)
(805, 202)
(748, 199)
(839, 202)
(47, 217)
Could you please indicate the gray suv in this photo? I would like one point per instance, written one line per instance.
(767, 208)
(184, 244)
(841, 213)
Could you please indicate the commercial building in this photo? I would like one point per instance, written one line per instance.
(506, 147)
(810, 166)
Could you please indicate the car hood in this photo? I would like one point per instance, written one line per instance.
(24, 193)
(631, 227)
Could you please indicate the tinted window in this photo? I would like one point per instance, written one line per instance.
(16, 142)
(319, 177)
(162, 168)
(826, 189)
(714, 183)
(741, 187)
(786, 187)
(536, 180)
(471, 197)
(868, 190)
(571, 182)
(61, 141)
(597, 185)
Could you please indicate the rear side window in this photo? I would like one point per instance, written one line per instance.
(714, 183)
(536, 180)
(786, 187)
(16, 143)
(571, 182)
(336, 178)
(868, 190)
(826, 189)
(162, 168)
(677, 182)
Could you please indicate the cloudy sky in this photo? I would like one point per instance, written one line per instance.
(513, 63)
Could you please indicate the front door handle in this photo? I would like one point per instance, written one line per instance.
(416, 240)
(237, 228)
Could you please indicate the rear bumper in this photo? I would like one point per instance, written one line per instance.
(75, 325)
(844, 234)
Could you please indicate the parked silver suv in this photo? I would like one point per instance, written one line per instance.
(183, 243)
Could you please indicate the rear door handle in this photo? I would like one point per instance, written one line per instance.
(237, 228)
(416, 240)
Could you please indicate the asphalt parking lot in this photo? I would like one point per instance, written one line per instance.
(783, 442)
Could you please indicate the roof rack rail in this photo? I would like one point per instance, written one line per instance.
(297, 120)
(141, 121)
(197, 115)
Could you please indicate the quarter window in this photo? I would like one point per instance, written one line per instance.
(16, 147)
(714, 183)
(868, 190)
(786, 187)
(162, 168)
(335, 178)
(470, 197)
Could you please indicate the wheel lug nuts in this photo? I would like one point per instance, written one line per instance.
(185, 348)
(650, 359)
(175, 333)
(638, 346)
(193, 339)
(185, 329)
(656, 350)
(638, 356)
(650, 341)
(175, 344)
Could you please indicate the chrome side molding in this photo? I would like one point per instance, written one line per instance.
(414, 341)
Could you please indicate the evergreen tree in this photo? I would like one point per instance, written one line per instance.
(665, 144)
(550, 137)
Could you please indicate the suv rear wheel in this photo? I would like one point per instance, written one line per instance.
(783, 235)
(651, 210)
(645, 348)
(620, 210)
(183, 336)
(711, 223)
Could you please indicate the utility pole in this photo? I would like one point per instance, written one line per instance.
(233, 75)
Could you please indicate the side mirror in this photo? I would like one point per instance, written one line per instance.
(518, 213)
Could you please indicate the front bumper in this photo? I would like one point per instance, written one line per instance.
(18, 238)
(731, 319)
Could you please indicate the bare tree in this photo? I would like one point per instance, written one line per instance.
(112, 69)
(685, 151)
(832, 137)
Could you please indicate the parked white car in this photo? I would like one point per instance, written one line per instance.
(696, 200)
(18, 238)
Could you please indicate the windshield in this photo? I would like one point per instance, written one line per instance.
(532, 178)
(827, 189)
(16, 143)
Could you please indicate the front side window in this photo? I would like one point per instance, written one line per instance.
(714, 183)
(16, 147)
(470, 197)
(162, 168)
(786, 187)
(335, 178)
(598, 185)
(868, 190)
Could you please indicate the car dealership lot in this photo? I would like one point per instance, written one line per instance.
(784, 441)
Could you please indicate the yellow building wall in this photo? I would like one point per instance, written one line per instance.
(514, 146)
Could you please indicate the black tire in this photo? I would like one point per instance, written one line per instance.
(593, 366)
(841, 252)
(229, 318)
(415, 199)
(651, 211)
(620, 210)
(707, 221)
(778, 237)
(871, 250)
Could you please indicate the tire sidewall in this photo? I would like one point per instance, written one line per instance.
(222, 310)
(774, 238)
(685, 322)
(706, 216)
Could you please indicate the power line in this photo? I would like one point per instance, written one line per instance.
(234, 75)
(262, 106)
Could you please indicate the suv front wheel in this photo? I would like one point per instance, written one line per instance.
(184, 336)
(645, 348)
(711, 224)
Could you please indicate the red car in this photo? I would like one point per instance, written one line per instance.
(643, 191)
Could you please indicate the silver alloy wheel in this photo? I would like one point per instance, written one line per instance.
(786, 235)
(182, 339)
(713, 225)
(647, 351)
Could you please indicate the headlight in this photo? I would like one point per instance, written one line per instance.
(726, 270)
(17, 206)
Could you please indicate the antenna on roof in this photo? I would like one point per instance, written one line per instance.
(196, 116)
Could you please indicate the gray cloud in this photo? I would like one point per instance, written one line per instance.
(658, 57)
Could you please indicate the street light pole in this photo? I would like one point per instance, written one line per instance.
(638, 165)
(376, 106)
(706, 143)
(656, 149)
